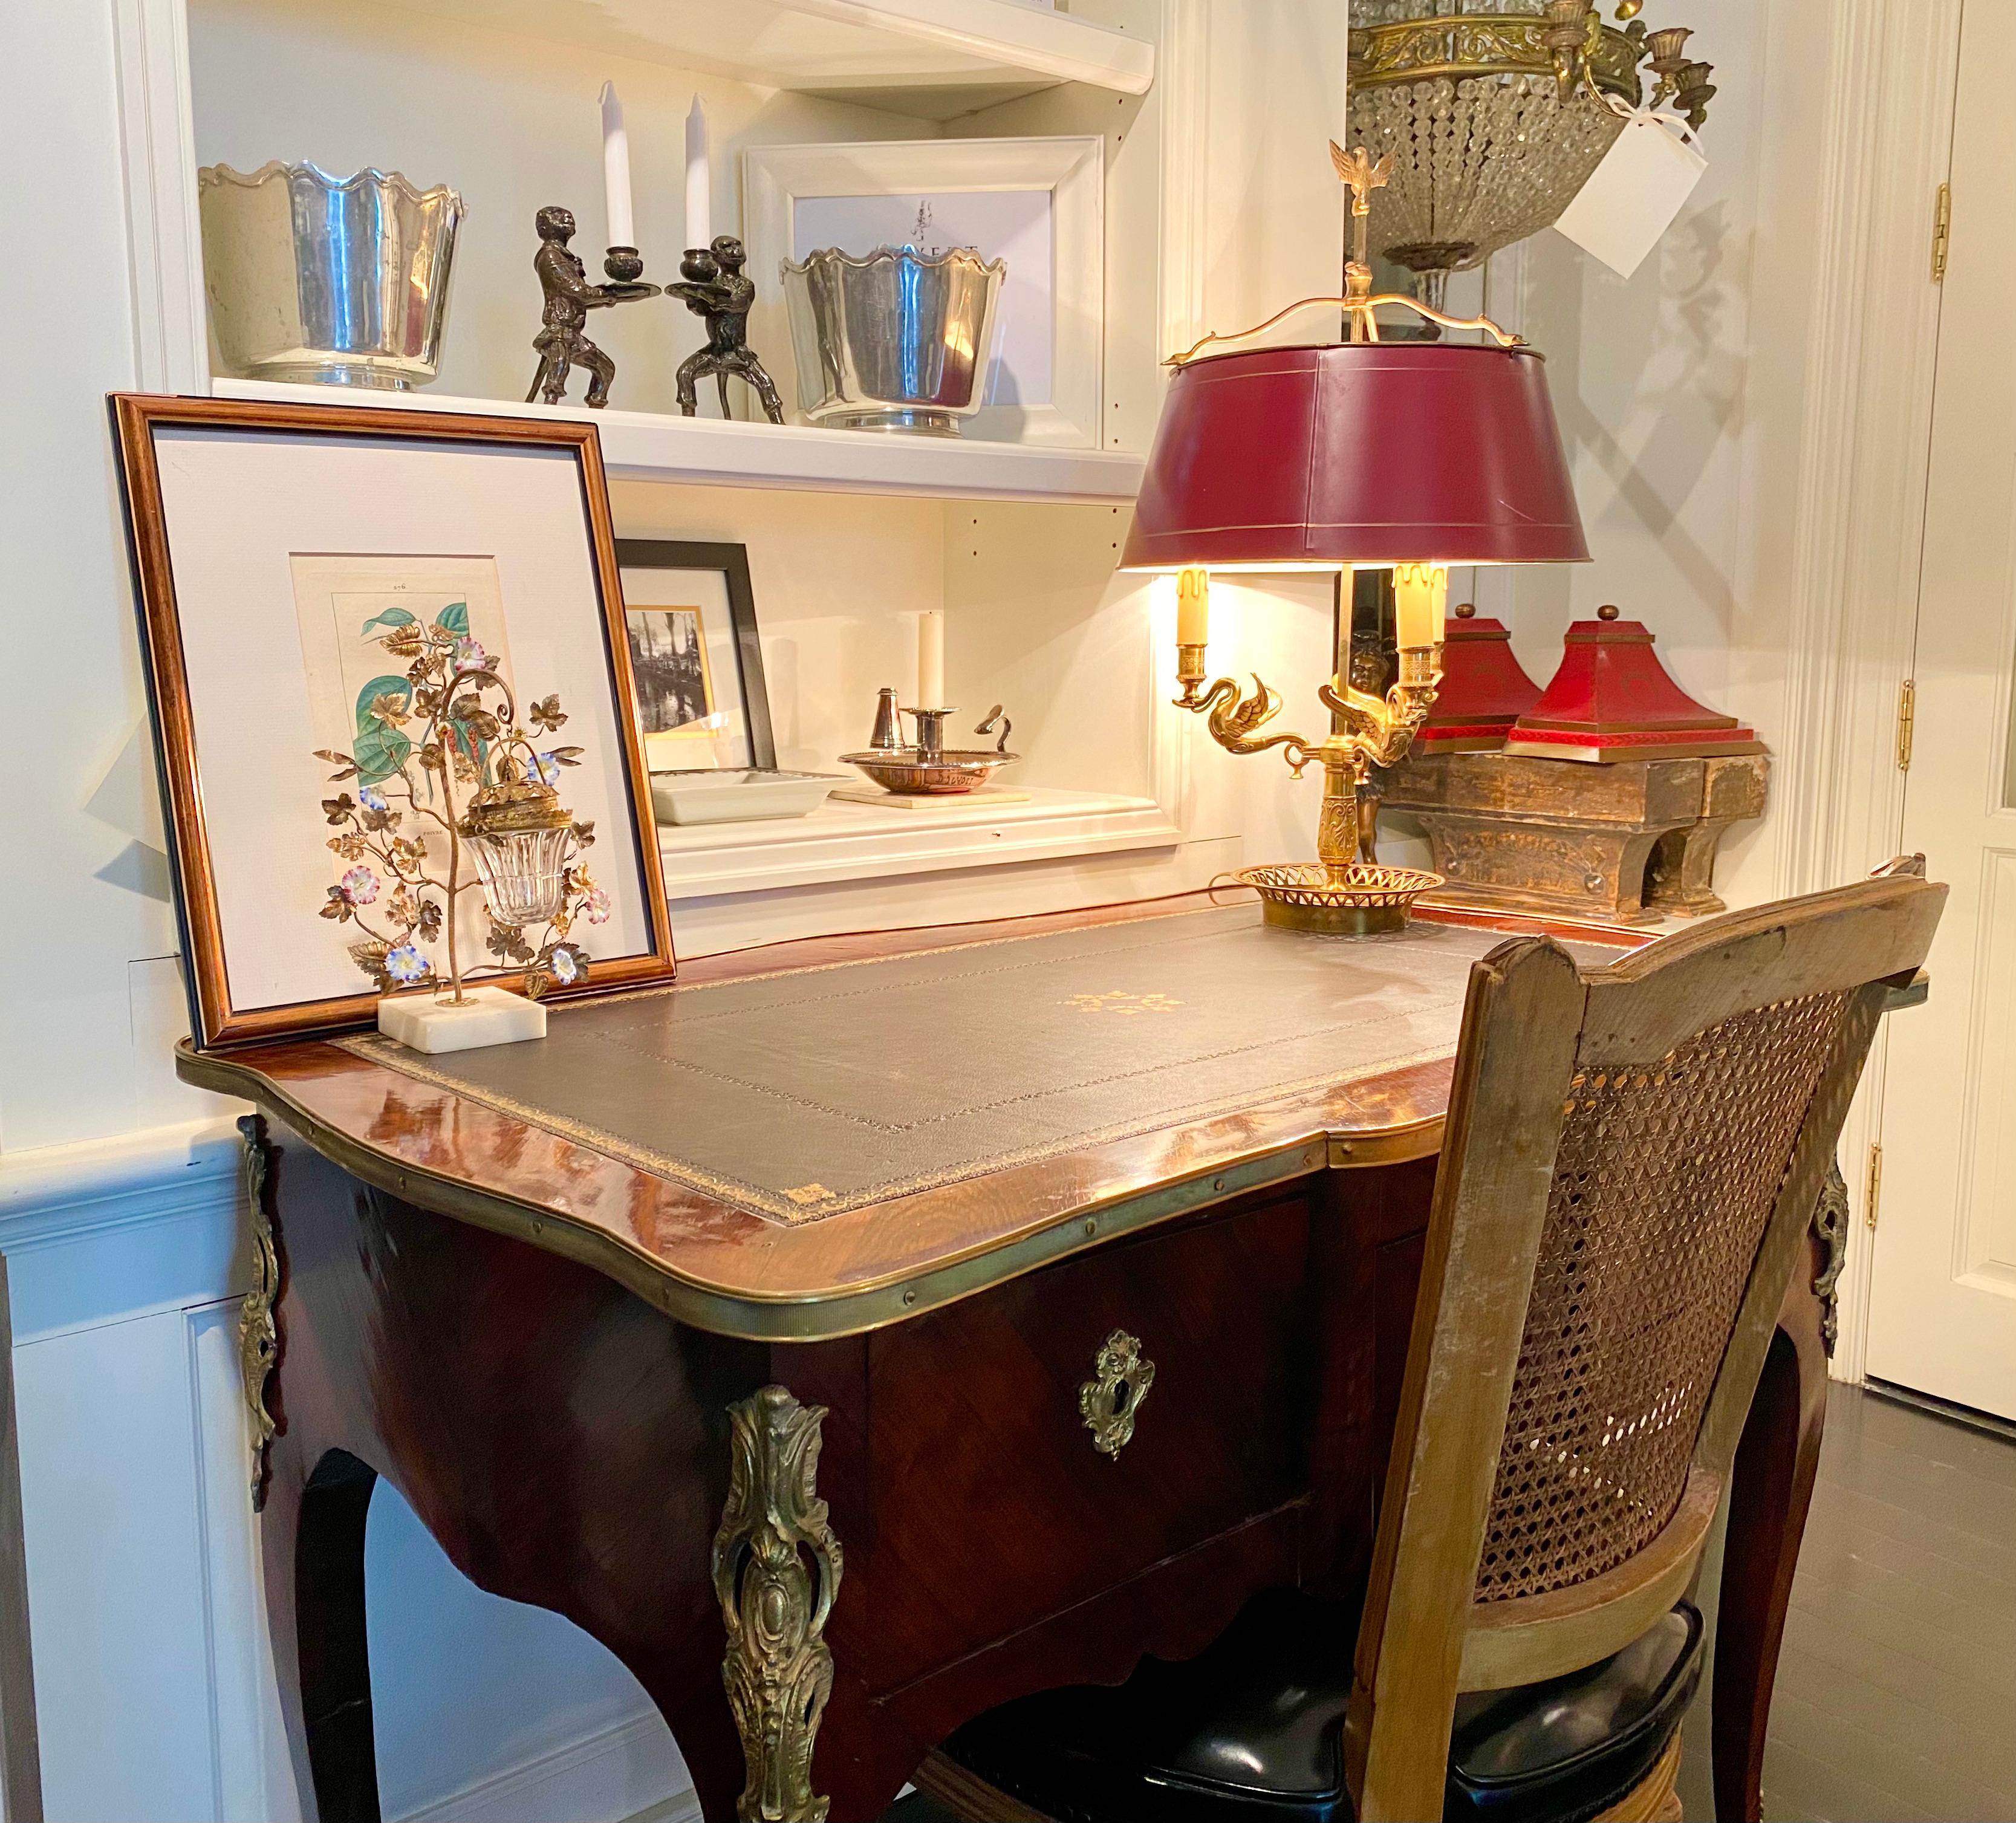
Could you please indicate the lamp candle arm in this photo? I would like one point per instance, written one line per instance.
(1193, 634)
(1381, 728)
(1367, 731)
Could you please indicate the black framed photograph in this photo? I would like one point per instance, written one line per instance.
(695, 656)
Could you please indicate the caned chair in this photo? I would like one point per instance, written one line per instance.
(1632, 1158)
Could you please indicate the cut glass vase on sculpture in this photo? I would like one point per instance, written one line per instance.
(451, 727)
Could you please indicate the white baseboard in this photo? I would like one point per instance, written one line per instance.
(629, 1773)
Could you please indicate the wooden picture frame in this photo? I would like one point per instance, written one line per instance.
(731, 563)
(344, 438)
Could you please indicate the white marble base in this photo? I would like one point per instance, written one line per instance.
(493, 1016)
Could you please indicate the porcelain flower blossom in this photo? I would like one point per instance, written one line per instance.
(406, 964)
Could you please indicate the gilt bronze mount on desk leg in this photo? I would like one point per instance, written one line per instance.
(779, 1669)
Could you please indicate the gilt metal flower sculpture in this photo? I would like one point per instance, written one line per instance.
(445, 772)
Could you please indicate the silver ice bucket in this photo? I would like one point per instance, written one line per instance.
(312, 277)
(894, 339)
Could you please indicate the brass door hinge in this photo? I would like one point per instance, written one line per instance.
(1941, 232)
(1873, 1190)
(1907, 722)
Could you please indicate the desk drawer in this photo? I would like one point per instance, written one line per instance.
(994, 1508)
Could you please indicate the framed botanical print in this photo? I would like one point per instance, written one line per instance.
(360, 628)
(690, 613)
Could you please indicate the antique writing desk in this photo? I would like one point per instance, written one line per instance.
(1085, 1246)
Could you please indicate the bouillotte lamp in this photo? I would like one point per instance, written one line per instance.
(1408, 456)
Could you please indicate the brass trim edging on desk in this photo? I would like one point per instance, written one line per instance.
(812, 1319)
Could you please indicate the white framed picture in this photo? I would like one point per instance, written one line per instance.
(1038, 204)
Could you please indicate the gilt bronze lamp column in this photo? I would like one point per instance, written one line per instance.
(1411, 456)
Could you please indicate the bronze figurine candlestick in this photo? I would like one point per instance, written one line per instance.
(716, 289)
(562, 344)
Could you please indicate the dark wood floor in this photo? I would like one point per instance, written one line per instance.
(1897, 1696)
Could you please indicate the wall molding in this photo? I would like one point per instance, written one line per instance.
(164, 239)
(1865, 454)
(1182, 81)
(51, 1196)
(621, 1764)
(105, 1231)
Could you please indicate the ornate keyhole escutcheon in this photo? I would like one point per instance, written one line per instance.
(1111, 1400)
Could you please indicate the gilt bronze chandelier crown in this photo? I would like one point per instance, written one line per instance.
(1495, 113)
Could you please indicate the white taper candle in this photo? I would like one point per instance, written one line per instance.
(616, 170)
(930, 659)
(699, 212)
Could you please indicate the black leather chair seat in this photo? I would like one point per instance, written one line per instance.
(1253, 1730)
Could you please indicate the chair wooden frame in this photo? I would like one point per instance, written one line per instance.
(1532, 1018)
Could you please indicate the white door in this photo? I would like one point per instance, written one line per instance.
(1942, 1314)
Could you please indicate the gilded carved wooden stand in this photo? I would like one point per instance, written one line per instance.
(1630, 843)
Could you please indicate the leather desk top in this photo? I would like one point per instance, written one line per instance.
(822, 1137)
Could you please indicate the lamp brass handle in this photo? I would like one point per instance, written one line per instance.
(1111, 1400)
(1219, 344)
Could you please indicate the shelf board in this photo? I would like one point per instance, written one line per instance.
(932, 58)
(645, 446)
(848, 841)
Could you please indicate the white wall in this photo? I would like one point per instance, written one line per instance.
(92, 902)
(1651, 378)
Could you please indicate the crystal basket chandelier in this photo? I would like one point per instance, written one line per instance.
(1495, 113)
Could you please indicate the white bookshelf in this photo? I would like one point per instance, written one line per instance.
(849, 841)
(933, 59)
(646, 446)
(850, 534)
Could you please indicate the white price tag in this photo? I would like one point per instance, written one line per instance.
(1636, 193)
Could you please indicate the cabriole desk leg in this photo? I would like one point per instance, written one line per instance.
(1771, 1489)
(779, 1669)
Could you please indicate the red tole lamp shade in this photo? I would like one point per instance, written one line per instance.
(1363, 455)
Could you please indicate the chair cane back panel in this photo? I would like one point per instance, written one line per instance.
(1663, 1184)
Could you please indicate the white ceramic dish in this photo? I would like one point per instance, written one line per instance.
(743, 796)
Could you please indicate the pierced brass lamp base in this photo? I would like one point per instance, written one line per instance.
(1359, 900)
